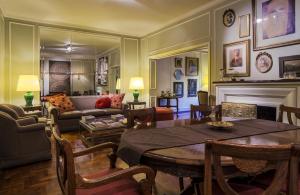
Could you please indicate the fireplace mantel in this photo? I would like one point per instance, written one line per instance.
(263, 93)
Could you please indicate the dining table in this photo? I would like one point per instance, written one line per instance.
(187, 160)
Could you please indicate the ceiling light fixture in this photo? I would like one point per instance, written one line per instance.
(68, 48)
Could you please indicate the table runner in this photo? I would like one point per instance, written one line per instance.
(136, 142)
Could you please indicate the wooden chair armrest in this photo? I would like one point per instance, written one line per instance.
(97, 148)
(123, 174)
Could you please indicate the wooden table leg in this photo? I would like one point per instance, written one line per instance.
(181, 184)
(192, 188)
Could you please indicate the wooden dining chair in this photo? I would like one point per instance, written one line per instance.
(202, 97)
(109, 181)
(249, 159)
(289, 111)
(200, 113)
(141, 118)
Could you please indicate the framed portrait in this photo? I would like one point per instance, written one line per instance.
(178, 74)
(192, 87)
(178, 89)
(229, 18)
(264, 62)
(191, 66)
(236, 60)
(275, 23)
(103, 71)
(244, 26)
(289, 65)
(178, 62)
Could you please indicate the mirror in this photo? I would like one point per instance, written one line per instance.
(78, 63)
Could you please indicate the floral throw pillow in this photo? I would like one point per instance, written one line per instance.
(116, 100)
(63, 103)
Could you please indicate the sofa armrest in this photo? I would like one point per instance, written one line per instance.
(26, 121)
(32, 127)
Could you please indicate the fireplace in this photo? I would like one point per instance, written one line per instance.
(266, 112)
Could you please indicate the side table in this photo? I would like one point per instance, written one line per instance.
(132, 104)
(35, 109)
(168, 105)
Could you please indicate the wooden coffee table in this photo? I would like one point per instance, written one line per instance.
(92, 135)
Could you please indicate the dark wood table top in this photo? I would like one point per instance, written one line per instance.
(188, 160)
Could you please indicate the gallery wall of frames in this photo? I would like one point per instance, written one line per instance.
(258, 40)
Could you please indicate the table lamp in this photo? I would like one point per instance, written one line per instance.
(118, 85)
(28, 83)
(136, 83)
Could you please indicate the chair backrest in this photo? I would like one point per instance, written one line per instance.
(239, 110)
(199, 112)
(140, 117)
(65, 168)
(19, 110)
(8, 110)
(202, 97)
(250, 159)
(289, 111)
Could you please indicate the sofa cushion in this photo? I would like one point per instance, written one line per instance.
(110, 111)
(94, 112)
(71, 115)
(63, 103)
(84, 102)
(103, 102)
(116, 100)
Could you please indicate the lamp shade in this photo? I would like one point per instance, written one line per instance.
(28, 83)
(136, 83)
(118, 85)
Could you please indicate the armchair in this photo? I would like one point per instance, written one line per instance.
(111, 181)
(22, 142)
(18, 116)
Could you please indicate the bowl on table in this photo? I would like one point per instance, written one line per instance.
(220, 124)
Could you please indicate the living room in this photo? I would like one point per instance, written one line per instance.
(201, 77)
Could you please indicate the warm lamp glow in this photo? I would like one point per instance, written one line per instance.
(118, 85)
(28, 83)
(136, 83)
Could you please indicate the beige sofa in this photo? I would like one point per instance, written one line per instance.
(85, 105)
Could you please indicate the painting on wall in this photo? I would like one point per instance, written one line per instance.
(192, 87)
(274, 23)
(236, 60)
(103, 71)
(244, 26)
(289, 67)
(264, 62)
(178, 89)
(191, 66)
(178, 62)
(178, 74)
(59, 77)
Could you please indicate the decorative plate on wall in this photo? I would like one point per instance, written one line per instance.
(228, 18)
(264, 62)
(178, 74)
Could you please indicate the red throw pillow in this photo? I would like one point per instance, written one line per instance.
(116, 100)
(103, 102)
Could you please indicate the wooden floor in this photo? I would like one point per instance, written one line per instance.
(40, 178)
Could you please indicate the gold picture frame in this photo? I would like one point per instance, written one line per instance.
(236, 59)
(244, 26)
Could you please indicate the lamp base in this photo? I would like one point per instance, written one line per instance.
(28, 96)
(136, 96)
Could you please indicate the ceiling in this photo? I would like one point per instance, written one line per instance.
(129, 17)
(54, 42)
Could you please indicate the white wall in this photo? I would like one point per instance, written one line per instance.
(165, 77)
(2, 48)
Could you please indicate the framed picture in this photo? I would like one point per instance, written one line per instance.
(244, 26)
(178, 88)
(274, 23)
(178, 74)
(178, 62)
(60, 77)
(228, 18)
(289, 65)
(264, 62)
(192, 87)
(103, 71)
(191, 66)
(236, 60)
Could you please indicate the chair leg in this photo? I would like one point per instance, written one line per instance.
(181, 184)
